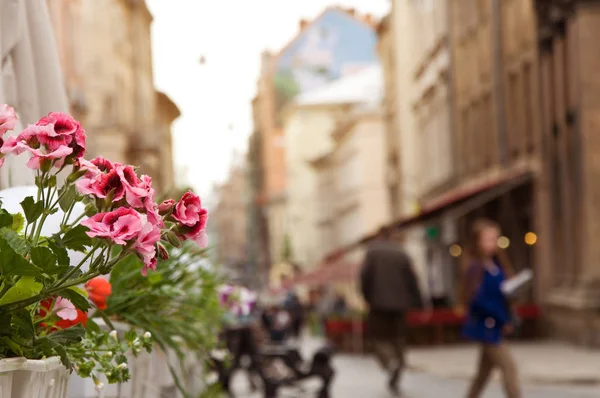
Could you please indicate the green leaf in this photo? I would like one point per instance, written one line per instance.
(76, 298)
(32, 210)
(50, 347)
(92, 327)
(26, 287)
(6, 219)
(5, 319)
(12, 263)
(71, 335)
(23, 324)
(69, 197)
(44, 258)
(64, 357)
(17, 242)
(18, 222)
(62, 256)
(77, 239)
(14, 347)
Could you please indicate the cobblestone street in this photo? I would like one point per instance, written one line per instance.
(360, 377)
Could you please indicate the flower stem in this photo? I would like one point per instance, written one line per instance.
(15, 305)
(88, 255)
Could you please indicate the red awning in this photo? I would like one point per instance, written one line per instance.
(340, 272)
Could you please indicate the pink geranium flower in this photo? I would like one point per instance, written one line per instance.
(197, 233)
(100, 185)
(192, 218)
(95, 166)
(29, 142)
(65, 309)
(8, 119)
(135, 192)
(145, 245)
(188, 209)
(64, 125)
(121, 225)
(150, 206)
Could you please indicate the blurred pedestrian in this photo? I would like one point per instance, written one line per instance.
(339, 305)
(296, 310)
(489, 316)
(390, 289)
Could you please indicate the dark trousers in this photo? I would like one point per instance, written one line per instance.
(387, 332)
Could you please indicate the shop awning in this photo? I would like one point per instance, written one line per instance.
(463, 200)
(332, 273)
(455, 203)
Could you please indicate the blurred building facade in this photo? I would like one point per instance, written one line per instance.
(230, 220)
(569, 117)
(317, 55)
(492, 104)
(106, 55)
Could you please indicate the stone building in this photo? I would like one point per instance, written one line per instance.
(308, 124)
(305, 64)
(567, 67)
(166, 113)
(351, 193)
(230, 219)
(106, 55)
(415, 54)
(524, 114)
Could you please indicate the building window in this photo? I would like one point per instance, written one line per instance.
(528, 113)
(514, 131)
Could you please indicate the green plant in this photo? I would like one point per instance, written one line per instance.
(178, 304)
(103, 352)
(42, 309)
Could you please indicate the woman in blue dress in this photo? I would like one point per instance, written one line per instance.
(488, 318)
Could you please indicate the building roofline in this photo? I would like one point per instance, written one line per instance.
(168, 102)
(366, 20)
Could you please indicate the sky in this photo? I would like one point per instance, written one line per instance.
(215, 97)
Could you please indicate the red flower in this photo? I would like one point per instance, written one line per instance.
(45, 306)
(98, 290)
(82, 318)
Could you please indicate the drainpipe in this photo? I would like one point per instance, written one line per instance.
(499, 79)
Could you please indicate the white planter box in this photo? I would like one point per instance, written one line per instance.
(23, 378)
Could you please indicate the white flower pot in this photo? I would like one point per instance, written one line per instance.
(24, 378)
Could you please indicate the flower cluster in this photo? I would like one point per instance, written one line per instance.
(125, 212)
(55, 140)
(237, 300)
(132, 217)
(40, 281)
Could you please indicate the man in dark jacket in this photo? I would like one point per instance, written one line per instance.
(390, 289)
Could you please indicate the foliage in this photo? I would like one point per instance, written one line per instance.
(103, 352)
(287, 252)
(43, 312)
(178, 304)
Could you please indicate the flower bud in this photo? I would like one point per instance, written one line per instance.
(163, 254)
(147, 335)
(173, 239)
(45, 165)
(122, 366)
(113, 335)
(90, 209)
(76, 175)
(109, 198)
(166, 207)
(99, 386)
